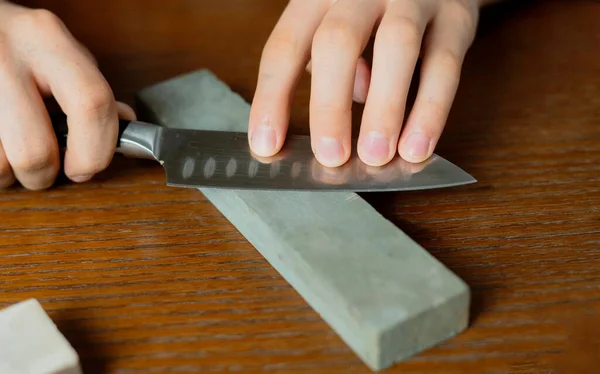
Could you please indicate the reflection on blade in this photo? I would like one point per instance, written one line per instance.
(215, 159)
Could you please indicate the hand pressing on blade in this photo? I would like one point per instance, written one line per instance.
(40, 59)
(329, 36)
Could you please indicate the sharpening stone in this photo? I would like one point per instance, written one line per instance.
(30, 343)
(383, 294)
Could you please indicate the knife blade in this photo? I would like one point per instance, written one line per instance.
(223, 159)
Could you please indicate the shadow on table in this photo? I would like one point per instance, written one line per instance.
(91, 354)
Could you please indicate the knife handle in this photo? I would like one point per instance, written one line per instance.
(135, 139)
(61, 130)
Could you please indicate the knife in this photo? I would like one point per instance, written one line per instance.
(223, 159)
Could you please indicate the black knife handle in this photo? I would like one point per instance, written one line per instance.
(61, 130)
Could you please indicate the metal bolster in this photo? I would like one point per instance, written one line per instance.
(140, 140)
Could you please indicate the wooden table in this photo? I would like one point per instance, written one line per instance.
(142, 278)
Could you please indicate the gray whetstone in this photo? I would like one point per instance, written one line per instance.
(382, 293)
(30, 342)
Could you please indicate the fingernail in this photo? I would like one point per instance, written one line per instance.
(376, 148)
(330, 151)
(417, 146)
(264, 140)
(81, 178)
(357, 96)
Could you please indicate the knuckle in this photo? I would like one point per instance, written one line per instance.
(36, 21)
(405, 29)
(331, 110)
(34, 159)
(98, 102)
(464, 16)
(450, 61)
(281, 45)
(437, 108)
(335, 34)
(328, 107)
(391, 111)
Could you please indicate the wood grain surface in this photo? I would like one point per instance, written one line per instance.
(142, 278)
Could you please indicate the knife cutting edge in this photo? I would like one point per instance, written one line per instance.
(223, 159)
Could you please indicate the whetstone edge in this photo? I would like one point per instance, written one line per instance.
(382, 293)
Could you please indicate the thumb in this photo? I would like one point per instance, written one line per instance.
(125, 111)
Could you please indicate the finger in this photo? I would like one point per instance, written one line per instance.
(396, 50)
(125, 111)
(451, 35)
(59, 64)
(86, 51)
(361, 80)
(7, 177)
(27, 137)
(285, 54)
(337, 46)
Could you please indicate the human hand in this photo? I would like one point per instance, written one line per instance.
(39, 58)
(330, 35)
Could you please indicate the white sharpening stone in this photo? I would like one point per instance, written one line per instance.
(383, 294)
(30, 343)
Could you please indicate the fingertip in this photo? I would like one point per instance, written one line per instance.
(331, 152)
(86, 169)
(415, 147)
(125, 111)
(375, 149)
(35, 161)
(263, 140)
(91, 144)
(268, 123)
(81, 178)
